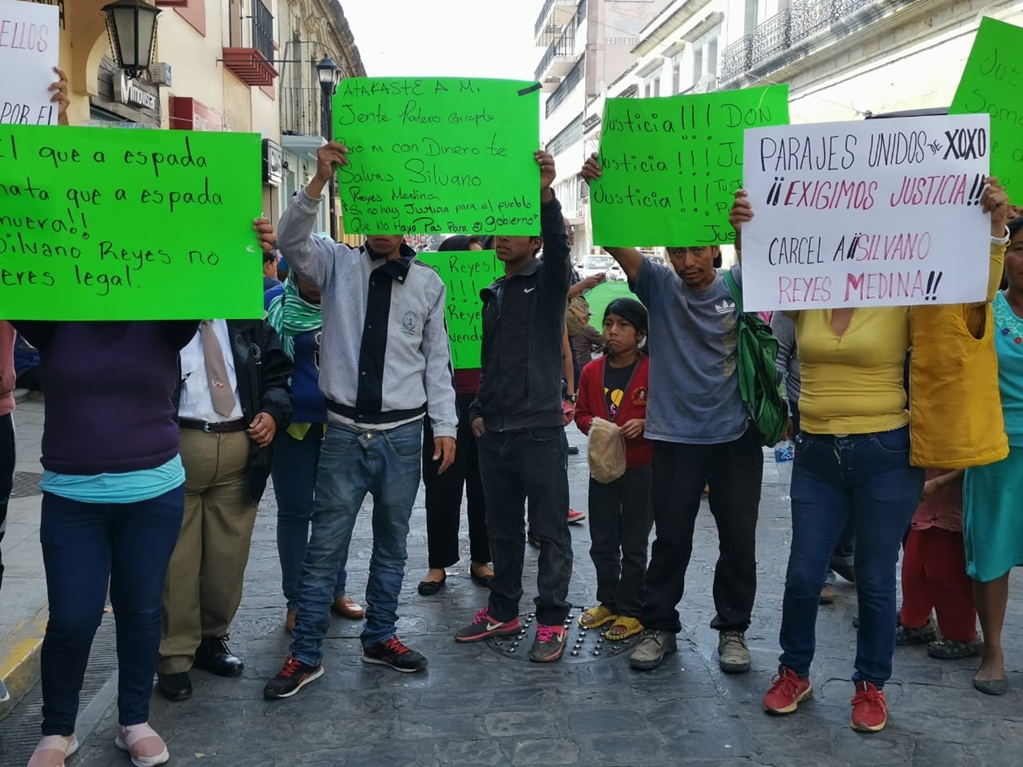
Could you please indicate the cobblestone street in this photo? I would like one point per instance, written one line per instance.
(476, 706)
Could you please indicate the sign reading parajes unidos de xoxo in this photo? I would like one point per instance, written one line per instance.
(874, 213)
(465, 274)
(439, 155)
(670, 166)
(98, 224)
(29, 50)
(992, 83)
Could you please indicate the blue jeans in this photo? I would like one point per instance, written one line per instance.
(85, 545)
(866, 478)
(352, 464)
(294, 473)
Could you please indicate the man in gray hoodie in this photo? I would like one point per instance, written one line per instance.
(384, 365)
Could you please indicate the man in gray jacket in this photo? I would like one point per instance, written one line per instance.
(384, 365)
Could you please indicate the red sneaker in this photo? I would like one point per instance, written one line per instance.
(869, 708)
(576, 516)
(787, 692)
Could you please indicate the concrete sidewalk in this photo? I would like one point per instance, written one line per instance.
(23, 598)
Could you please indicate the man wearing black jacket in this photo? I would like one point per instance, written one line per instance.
(234, 397)
(519, 423)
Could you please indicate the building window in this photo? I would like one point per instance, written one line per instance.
(652, 86)
(755, 15)
(676, 73)
(705, 55)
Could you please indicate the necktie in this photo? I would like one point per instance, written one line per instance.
(216, 371)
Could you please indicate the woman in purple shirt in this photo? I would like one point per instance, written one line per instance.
(113, 498)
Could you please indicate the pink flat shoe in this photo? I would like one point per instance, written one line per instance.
(147, 749)
(53, 750)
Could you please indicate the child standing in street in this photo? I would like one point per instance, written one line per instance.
(934, 574)
(615, 388)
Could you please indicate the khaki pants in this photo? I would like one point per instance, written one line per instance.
(206, 573)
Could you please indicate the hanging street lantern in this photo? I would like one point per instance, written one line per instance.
(131, 25)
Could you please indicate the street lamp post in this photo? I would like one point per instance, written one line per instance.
(329, 74)
(131, 25)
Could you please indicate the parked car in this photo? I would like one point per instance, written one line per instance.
(595, 265)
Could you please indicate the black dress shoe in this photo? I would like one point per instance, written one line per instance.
(482, 580)
(216, 657)
(429, 588)
(174, 686)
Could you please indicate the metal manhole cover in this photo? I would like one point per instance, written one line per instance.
(581, 645)
(26, 484)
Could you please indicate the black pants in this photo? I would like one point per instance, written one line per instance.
(620, 521)
(516, 465)
(6, 475)
(444, 495)
(735, 471)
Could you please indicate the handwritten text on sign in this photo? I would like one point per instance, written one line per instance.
(671, 165)
(128, 225)
(874, 213)
(992, 83)
(29, 50)
(464, 274)
(431, 155)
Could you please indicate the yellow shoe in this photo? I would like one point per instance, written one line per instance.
(596, 617)
(623, 628)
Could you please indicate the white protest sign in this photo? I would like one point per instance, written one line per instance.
(873, 213)
(29, 50)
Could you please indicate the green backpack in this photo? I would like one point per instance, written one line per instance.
(760, 383)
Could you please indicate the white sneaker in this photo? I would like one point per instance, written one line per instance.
(147, 749)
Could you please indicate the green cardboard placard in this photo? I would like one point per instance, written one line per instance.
(992, 82)
(602, 295)
(439, 156)
(107, 224)
(465, 274)
(671, 166)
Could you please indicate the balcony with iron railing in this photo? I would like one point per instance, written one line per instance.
(555, 13)
(558, 59)
(737, 58)
(790, 27)
(770, 38)
(565, 87)
(250, 52)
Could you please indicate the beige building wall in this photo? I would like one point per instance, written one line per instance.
(914, 64)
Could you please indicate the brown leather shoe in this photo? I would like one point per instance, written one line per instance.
(347, 607)
(289, 621)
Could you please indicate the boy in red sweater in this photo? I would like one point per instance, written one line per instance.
(615, 388)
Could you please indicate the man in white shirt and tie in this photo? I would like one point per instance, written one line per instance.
(234, 397)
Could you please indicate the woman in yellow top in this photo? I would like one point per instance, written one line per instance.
(852, 460)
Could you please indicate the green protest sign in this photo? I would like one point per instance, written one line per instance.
(671, 166)
(439, 155)
(992, 82)
(465, 274)
(106, 224)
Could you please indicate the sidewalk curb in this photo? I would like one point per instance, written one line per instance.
(19, 658)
